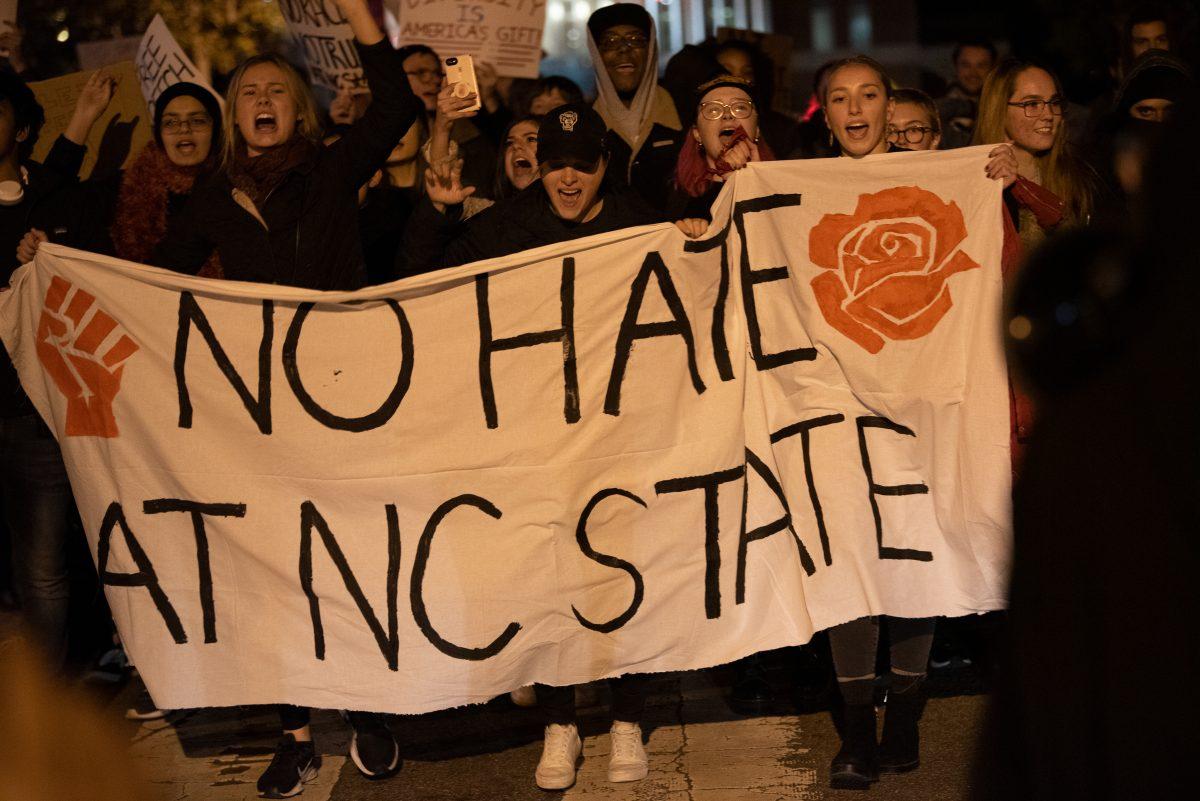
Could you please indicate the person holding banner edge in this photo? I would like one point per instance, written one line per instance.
(570, 201)
(858, 107)
(284, 210)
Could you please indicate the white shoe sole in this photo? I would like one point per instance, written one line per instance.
(628, 774)
(308, 775)
(551, 784)
(358, 763)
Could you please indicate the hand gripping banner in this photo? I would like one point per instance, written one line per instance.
(629, 453)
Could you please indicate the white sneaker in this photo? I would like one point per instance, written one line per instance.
(560, 757)
(628, 761)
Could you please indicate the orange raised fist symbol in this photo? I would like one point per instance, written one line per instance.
(71, 351)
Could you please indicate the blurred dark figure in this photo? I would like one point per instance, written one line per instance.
(1148, 96)
(813, 137)
(1105, 514)
(973, 59)
(687, 69)
(745, 60)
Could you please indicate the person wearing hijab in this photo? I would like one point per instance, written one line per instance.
(624, 49)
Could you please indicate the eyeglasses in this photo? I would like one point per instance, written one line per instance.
(715, 109)
(426, 75)
(196, 123)
(913, 134)
(634, 41)
(1033, 108)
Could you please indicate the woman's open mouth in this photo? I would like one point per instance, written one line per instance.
(520, 163)
(857, 130)
(186, 146)
(726, 134)
(570, 197)
(265, 123)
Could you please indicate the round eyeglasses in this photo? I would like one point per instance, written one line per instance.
(913, 134)
(715, 109)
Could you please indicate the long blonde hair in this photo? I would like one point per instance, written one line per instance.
(308, 124)
(1062, 173)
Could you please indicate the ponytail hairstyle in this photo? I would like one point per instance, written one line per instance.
(307, 124)
(1062, 172)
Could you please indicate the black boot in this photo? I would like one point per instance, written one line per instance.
(751, 693)
(856, 764)
(900, 747)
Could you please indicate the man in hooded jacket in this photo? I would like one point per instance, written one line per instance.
(648, 133)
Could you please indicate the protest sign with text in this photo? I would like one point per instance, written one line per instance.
(504, 33)
(627, 453)
(324, 36)
(161, 62)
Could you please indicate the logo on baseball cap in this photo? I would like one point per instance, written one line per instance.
(573, 134)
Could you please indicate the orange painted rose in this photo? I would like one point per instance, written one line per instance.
(887, 265)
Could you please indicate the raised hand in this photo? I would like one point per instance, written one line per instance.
(443, 184)
(71, 348)
(451, 108)
(94, 98)
(740, 154)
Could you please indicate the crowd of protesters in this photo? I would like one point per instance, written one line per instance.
(409, 179)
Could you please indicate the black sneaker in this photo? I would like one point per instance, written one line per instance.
(294, 764)
(373, 747)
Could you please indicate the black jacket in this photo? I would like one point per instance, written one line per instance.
(311, 236)
(35, 210)
(434, 240)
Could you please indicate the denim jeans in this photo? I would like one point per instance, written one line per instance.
(38, 503)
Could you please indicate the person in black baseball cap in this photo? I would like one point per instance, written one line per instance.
(570, 200)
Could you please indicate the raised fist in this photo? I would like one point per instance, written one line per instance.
(71, 350)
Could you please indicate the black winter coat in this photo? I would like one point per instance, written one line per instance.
(434, 240)
(309, 234)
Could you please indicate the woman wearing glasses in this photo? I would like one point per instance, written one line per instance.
(1021, 109)
(724, 138)
(915, 124)
(1045, 185)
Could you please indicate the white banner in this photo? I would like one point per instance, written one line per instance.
(327, 41)
(505, 33)
(629, 453)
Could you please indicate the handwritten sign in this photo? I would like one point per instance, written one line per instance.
(117, 136)
(631, 452)
(162, 62)
(505, 33)
(327, 42)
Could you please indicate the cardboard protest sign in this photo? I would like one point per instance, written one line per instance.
(161, 62)
(101, 53)
(505, 33)
(626, 453)
(116, 138)
(327, 42)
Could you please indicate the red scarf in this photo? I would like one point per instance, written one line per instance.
(140, 221)
(693, 174)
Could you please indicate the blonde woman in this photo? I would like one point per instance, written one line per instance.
(284, 209)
